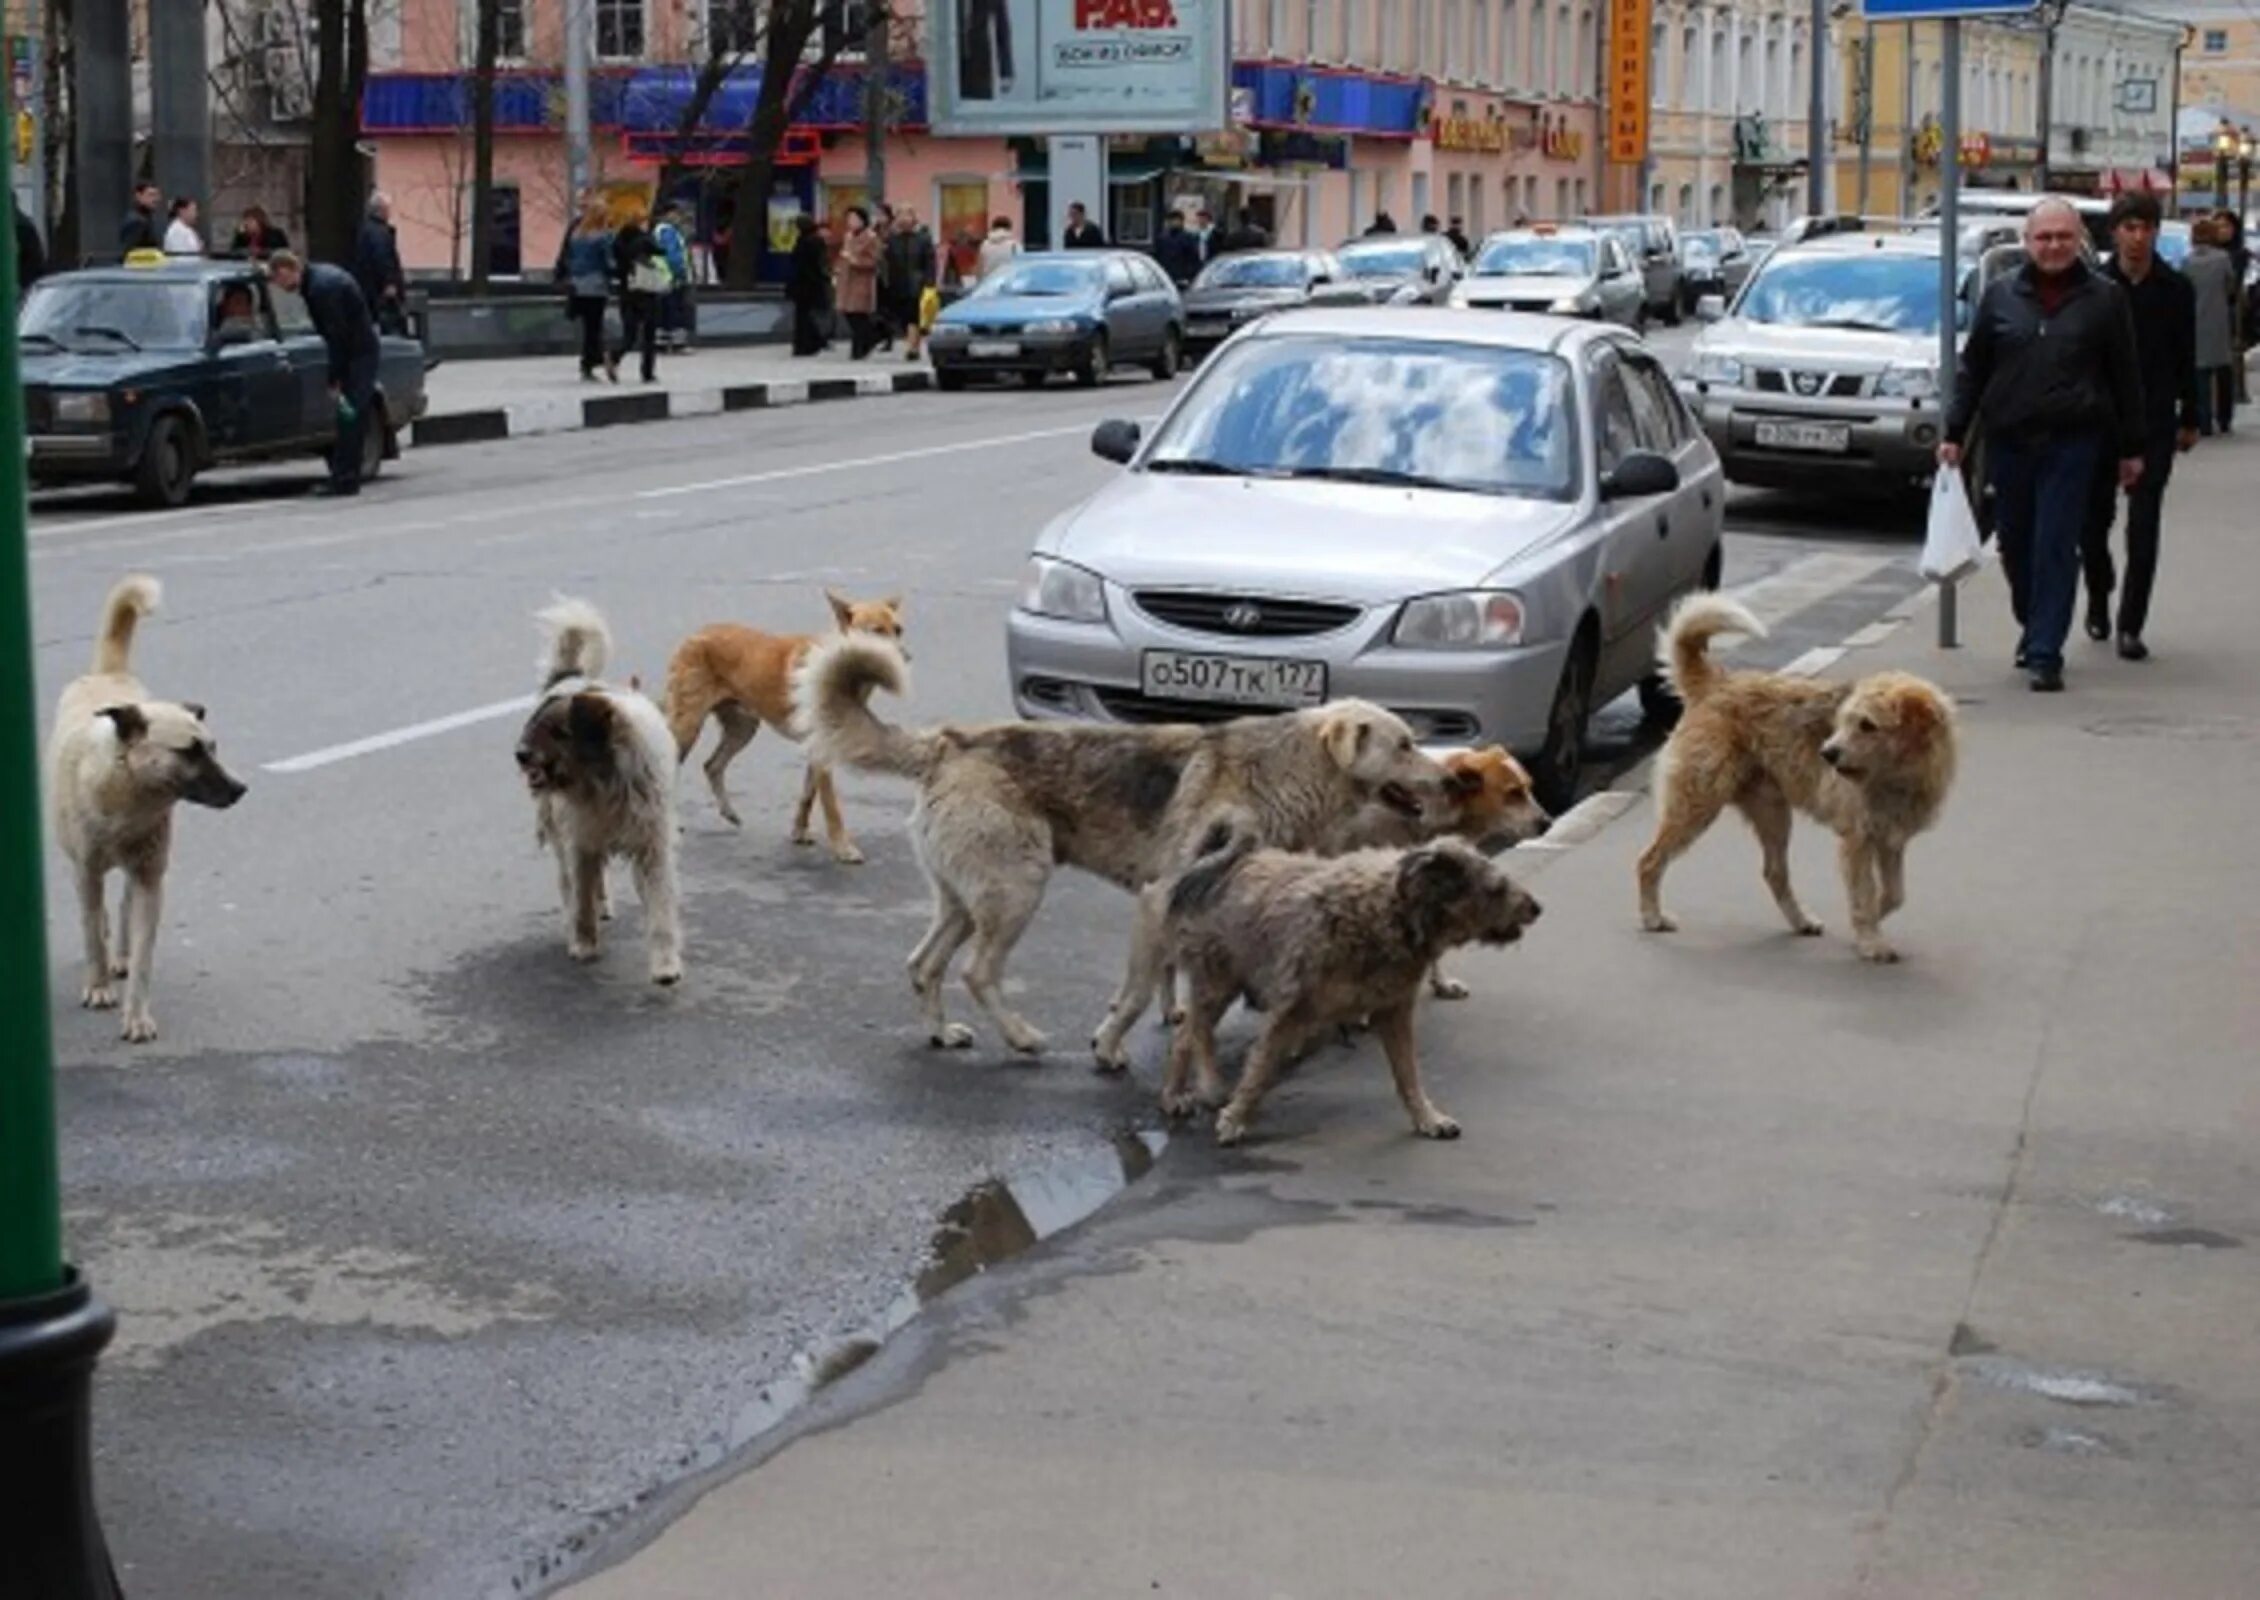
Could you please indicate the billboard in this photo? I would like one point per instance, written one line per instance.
(1078, 66)
(1628, 69)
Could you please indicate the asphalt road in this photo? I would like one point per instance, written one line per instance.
(434, 1252)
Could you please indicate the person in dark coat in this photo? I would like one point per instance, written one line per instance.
(2164, 307)
(912, 268)
(2050, 367)
(142, 230)
(1383, 226)
(376, 266)
(349, 335)
(1179, 251)
(1457, 233)
(637, 265)
(256, 236)
(808, 278)
(31, 255)
(584, 267)
(1082, 233)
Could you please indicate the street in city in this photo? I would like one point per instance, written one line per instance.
(446, 1267)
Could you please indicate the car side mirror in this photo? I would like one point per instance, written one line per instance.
(1710, 308)
(1115, 440)
(1639, 475)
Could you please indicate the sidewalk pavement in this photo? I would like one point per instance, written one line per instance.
(1760, 1272)
(474, 402)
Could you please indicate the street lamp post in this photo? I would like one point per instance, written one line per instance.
(51, 1325)
(2224, 151)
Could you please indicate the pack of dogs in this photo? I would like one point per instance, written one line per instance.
(1314, 866)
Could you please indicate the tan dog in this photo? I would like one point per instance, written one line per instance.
(601, 769)
(117, 764)
(1322, 941)
(1000, 807)
(1872, 760)
(743, 678)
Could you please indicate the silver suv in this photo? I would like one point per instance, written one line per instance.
(1825, 371)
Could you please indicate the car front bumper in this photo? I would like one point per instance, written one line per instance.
(1887, 441)
(1090, 671)
(79, 455)
(1051, 352)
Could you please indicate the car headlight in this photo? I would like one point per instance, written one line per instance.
(1569, 305)
(1713, 367)
(1063, 590)
(1472, 619)
(90, 408)
(1055, 325)
(1908, 383)
(1408, 294)
(948, 333)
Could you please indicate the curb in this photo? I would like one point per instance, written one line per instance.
(570, 414)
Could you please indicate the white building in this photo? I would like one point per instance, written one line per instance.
(2111, 119)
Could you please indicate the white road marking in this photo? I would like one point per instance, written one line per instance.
(1780, 595)
(927, 452)
(400, 736)
(145, 520)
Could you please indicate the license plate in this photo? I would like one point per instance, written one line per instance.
(1830, 436)
(1206, 325)
(1232, 680)
(992, 349)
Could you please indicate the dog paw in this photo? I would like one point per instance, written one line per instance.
(847, 855)
(1808, 928)
(952, 1036)
(1878, 951)
(1025, 1040)
(1437, 1126)
(667, 974)
(583, 951)
(1657, 922)
(731, 817)
(803, 838)
(119, 968)
(1173, 1017)
(140, 1027)
(1230, 1129)
(98, 997)
(1449, 989)
(1178, 1105)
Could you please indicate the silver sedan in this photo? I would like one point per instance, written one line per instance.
(1475, 521)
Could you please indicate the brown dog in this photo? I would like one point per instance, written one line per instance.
(1317, 942)
(1872, 760)
(743, 678)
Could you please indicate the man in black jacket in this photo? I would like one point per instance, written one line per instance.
(1082, 233)
(341, 317)
(141, 230)
(2050, 368)
(1179, 251)
(377, 269)
(2165, 341)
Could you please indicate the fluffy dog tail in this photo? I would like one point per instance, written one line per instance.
(831, 693)
(1226, 845)
(1686, 653)
(579, 642)
(132, 599)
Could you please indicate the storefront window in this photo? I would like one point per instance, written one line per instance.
(1134, 213)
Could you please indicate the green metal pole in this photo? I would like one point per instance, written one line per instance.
(31, 1211)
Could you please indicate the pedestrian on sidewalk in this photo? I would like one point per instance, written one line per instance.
(2165, 315)
(377, 268)
(641, 279)
(857, 275)
(140, 230)
(675, 306)
(998, 249)
(1179, 251)
(256, 236)
(584, 266)
(2212, 277)
(2049, 367)
(807, 277)
(1082, 233)
(181, 237)
(912, 270)
(349, 336)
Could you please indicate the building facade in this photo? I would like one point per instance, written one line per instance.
(2112, 101)
(1890, 154)
(1728, 94)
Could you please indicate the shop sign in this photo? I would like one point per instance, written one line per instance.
(1558, 141)
(1485, 135)
(1628, 68)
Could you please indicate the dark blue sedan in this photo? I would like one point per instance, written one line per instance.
(1080, 311)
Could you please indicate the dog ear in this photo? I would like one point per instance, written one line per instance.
(1344, 733)
(893, 603)
(129, 720)
(193, 709)
(1919, 716)
(1429, 880)
(843, 612)
(588, 717)
(1463, 783)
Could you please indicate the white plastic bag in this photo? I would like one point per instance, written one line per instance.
(1951, 548)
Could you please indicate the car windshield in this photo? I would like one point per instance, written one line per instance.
(1253, 272)
(1536, 258)
(1384, 260)
(1469, 417)
(1703, 249)
(1041, 280)
(1894, 292)
(100, 314)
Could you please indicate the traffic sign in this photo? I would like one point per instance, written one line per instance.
(1937, 10)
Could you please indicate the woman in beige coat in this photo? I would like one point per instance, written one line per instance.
(857, 281)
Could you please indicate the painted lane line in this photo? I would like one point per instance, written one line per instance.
(815, 469)
(1814, 662)
(145, 520)
(400, 736)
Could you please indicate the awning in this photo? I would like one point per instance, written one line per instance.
(1119, 169)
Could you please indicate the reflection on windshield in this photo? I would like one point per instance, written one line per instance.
(1392, 261)
(1252, 272)
(1887, 293)
(1041, 279)
(1468, 417)
(1535, 258)
(149, 316)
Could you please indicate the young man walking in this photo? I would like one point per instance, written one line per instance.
(2050, 368)
(2165, 341)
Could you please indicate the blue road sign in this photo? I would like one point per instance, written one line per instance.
(1939, 10)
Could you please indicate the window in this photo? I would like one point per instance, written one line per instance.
(1689, 62)
(1133, 213)
(1579, 77)
(1312, 37)
(732, 26)
(1350, 39)
(1482, 66)
(1275, 28)
(1450, 55)
(1659, 65)
(619, 30)
(1510, 43)
(2216, 41)
(1663, 424)
(1686, 209)
(510, 29)
(1616, 428)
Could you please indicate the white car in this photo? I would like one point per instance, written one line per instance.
(1563, 272)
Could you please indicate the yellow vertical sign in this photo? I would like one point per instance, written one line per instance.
(1628, 80)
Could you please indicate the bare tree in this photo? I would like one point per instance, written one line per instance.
(488, 49)
(334, 178)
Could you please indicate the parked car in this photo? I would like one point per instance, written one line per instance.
(1079, 311)
(1568, 272)
(1654, 243)
(1824, 374)
(1234, 290)
(1712, 261)
(1418, 269)
(1478, 522)
(149, 374)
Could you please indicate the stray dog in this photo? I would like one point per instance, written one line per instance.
(1873, 760)
(601, 769)
(743, 678)
(999, 807)
(117, 764)
(1317, 942)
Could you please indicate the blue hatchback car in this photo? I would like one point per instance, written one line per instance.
(1080, 311)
